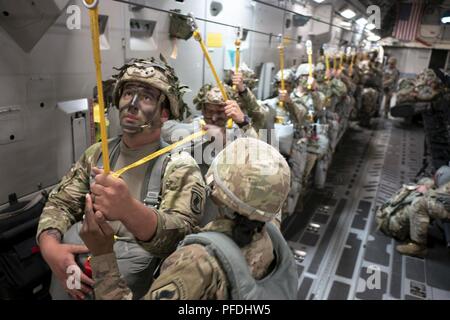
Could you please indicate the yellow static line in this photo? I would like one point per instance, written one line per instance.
(281, 48)
(93, 13)
(237, 43)
(198, 37)
(156, 154)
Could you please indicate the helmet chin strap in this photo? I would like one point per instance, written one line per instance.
(227, 212)
(152, 123)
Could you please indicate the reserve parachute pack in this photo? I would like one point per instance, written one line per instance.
(280, 284)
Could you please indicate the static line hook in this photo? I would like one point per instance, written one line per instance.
(90, 4)
(239, 32)
(194, 25)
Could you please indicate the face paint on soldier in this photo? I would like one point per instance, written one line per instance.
(287, 86)
(214, 114)
(139, 107)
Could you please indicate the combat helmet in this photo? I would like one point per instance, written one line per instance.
(288, 75)
(249, 76)
(157, 74)
(442, 176)
(302, 70)
(211, 94)
(319, 71)
(251, 178)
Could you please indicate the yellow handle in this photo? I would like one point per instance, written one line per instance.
(198, 37)
(237, 59)
(327, 66)
(334, 63)
(310, 71)
(156, 154)
(351, 65)
(281, 48)
(341, 61)
(93, 13)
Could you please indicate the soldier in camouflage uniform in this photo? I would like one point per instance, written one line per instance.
(353, 83)
(425, 87)
(287, 118)
(406, 91)
(245, 81)
(315, 125)
(408, 213)
(239, 255)
(215, 112)
(147, 93)
(347, 103)
(289, 112)
(335, 92)
(390, 79)
(370, 93)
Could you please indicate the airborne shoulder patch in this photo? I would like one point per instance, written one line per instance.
(196, 201)
(168, 292)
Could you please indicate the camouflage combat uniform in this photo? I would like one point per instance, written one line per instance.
(177, 216)
(408, 213)
(406, 91)
(288, 120)
(182, 185)
(315, 124)
(335, 110)
(203, 149)
(247, 100)
(193, 271)
(427, 85)
(423, 88)
(390, 79)
(173, 130)
(425, 208)
(370, 80)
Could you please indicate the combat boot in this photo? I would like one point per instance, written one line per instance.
(413, 249)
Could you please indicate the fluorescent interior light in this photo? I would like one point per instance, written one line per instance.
(347, 13)
(445, 19)
(373, 37)
(370, 26)
(361, 21)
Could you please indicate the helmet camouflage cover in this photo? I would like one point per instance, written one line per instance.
(251, 178)
(288, 75)
(250, 79)
(157, 74)
(442, 176)
(406, 90)
(302, 70)
(319, 71)
(427, 76)
(211, 94)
